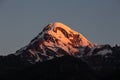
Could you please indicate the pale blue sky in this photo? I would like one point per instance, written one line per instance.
(22, 20)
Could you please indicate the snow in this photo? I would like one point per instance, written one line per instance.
(104, 52)
(84, 41)
(58, 24)
(35, 54)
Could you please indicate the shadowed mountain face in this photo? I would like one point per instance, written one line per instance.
(58, 53)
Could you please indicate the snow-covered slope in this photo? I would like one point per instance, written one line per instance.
(55, 40)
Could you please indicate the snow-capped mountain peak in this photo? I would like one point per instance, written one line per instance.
(56, 39)
(63, 33)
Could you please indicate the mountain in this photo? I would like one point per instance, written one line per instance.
(59, 52)
(55, 40)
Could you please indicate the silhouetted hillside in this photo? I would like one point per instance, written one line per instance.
(66, 67)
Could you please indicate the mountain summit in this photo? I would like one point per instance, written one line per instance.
(55, 40)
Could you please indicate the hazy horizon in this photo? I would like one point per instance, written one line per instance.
(22, 20)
